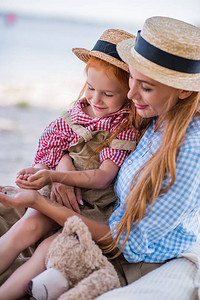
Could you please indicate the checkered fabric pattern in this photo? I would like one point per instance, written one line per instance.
(171, 227)
(58, 136)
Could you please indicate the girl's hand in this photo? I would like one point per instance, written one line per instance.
(25, 173)
(68, 196)
(22, 199)
(35, 181)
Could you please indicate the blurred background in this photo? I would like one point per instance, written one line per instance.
(39, 74)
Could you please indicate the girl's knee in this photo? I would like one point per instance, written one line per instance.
(27, 230)
(27, 225)
(45, 244)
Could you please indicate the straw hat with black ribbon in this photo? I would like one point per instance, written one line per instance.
(166, 50)
(105, 48)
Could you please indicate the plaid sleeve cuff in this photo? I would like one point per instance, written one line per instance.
(117, 156)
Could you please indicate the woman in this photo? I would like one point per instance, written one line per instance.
(158, 186)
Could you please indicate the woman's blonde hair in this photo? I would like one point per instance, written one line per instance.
(146, 185)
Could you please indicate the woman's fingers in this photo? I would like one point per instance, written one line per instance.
(72, 200)
(66, 196)
(79, 195)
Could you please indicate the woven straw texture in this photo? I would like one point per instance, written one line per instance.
(172, 36)
(111, 35)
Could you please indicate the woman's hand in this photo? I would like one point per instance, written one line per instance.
(35, 181)
(22, 199)
(68, 196)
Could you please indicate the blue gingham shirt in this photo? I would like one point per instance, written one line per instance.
(172, 224)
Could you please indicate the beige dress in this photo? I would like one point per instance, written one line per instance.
(98, 203)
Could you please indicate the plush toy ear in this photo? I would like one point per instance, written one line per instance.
(84, 236)
(70, 225)
(74, 225)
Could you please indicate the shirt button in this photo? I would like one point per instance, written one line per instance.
(129, 161)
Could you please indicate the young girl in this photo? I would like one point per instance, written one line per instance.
(158, 186)
(101, 122)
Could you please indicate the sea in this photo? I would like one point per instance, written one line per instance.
(34, 48)
(36, 45)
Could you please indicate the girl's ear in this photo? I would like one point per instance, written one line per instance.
(184, 94)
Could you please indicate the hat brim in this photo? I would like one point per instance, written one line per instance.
(179, 80)
(84, 55)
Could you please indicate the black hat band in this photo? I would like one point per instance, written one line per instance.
(107, 48)
(165, 59)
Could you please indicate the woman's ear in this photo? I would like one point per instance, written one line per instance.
(184, 94)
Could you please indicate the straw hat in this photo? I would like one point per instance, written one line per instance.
(105, 48)
(166, 50)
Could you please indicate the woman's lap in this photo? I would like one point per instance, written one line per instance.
(130, 272)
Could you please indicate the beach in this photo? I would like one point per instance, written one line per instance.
(20, 128)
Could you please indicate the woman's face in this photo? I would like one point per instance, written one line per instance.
(151, 98)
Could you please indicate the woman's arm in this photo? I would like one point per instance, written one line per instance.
(60, 214)
(97, 179)
(55, 211)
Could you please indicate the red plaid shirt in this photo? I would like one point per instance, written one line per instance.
(58, 136)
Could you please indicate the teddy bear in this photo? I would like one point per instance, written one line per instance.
(76, 267)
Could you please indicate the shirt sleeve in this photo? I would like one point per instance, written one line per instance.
(117, 156)
(53, 143)
(172, 223)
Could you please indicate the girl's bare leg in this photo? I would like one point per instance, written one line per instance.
(24, 233)
(14, 287)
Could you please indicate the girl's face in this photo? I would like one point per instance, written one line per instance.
(151, 98)
(104, 94)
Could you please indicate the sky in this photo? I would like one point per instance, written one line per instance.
(112, 11)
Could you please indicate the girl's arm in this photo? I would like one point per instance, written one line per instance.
(65, 163)
(53, 143)
(96, 179)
